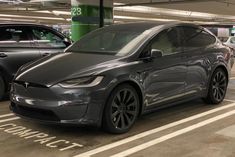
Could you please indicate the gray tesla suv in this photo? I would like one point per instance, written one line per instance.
(23, 43)
(117, 73)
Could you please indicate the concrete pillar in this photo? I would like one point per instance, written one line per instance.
(86, 16)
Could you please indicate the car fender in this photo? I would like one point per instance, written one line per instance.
(217, 65)
(126, 78)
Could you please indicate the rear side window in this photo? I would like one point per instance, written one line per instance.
(196, 38)
(14, 37)
(45, 38)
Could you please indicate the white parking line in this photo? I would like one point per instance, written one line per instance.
(9, 119)
(172, 135)
(6, 115)
(230, 100)
(149, 132)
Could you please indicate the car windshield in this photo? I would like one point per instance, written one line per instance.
(118, 42)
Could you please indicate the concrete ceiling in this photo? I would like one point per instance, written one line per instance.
(223, 7)
(58, 11)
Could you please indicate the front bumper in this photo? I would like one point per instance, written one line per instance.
(58, 105)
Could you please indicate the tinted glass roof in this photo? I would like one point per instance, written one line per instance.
(135, 27)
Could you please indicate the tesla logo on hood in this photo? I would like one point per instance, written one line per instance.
(26, 84)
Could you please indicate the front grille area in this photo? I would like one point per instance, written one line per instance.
(35, 113)
(30, 84)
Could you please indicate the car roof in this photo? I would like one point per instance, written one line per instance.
(32, 24)
(23, 24)
(141, 26)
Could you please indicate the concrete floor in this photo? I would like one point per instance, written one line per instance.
(192, 129)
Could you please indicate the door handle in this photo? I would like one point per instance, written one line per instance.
(45, 54)
(3, 55)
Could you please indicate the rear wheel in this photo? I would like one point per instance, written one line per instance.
(2, 88)
(121, 110)
(218, 87)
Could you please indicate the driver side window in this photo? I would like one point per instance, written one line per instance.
(167, 41)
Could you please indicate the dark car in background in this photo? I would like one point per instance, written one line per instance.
(114, 74)
(23, 43)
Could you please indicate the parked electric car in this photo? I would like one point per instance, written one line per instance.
(23, 43)
(114, 74)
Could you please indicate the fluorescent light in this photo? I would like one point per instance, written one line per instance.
(56, 12)
(43, 11)
(117, 4)
(20, 20)
(141, 18)
(32, 17)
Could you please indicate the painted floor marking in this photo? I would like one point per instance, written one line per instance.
(9, 119)
(6, 115)
(230, 100)
(149, 132)
(172, 135)
(229, 131)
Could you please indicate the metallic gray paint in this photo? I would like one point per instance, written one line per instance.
(160, 81)
(18, 56)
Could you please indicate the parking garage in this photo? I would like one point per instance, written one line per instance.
(139, 78)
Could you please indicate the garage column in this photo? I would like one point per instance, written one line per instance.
(86, 16)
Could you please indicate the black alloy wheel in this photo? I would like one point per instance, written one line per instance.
(218, 87)
(121, 110)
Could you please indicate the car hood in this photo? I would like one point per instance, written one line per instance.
(51, 70)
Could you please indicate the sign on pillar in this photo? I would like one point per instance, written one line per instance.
(86, 16)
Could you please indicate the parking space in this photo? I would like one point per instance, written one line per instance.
(189, 129)
(63, 59)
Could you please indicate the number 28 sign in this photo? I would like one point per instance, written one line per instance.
(76, 11)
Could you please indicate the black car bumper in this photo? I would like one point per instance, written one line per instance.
(58, 105)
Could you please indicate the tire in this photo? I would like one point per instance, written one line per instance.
(121, 110)
(2, 88)
(217, 87)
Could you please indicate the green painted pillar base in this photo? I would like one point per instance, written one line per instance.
(85, 16)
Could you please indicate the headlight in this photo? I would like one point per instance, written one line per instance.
(82, 82)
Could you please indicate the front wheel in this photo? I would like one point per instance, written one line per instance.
(121, 110)
(218, 87)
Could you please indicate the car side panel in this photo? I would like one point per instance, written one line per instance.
(198, 71)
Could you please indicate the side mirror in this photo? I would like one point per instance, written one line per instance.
(155, 53)
(67, 42)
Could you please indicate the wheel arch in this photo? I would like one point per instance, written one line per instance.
(223, 68)
(212, 72)
(138, 89)
(139, 92)
(208, 98)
